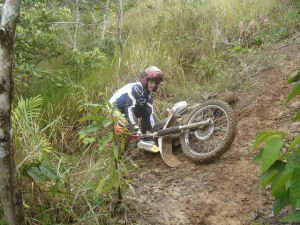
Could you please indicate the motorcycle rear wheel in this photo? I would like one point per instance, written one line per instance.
(209, 142)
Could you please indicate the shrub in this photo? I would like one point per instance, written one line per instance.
(281, 166)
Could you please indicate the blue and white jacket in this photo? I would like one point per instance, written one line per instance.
(132, 99)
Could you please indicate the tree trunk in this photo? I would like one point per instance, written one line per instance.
(76, 18)
(104, 19)
(9, 193)
(120, 21)
(1, 7)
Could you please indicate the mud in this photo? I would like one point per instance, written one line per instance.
(226, 191)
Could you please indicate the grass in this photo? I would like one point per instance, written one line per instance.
(191, 41)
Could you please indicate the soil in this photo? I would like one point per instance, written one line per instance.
(225, 191)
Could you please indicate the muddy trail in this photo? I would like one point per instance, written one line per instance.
(226, 191)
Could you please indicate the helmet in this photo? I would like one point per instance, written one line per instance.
(151, 73)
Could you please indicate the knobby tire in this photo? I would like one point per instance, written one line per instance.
(209, 143)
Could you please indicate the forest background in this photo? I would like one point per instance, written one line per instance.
(70, 56)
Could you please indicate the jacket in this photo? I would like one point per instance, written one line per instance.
(133, 101)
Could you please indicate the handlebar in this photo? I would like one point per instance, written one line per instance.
(149, 135)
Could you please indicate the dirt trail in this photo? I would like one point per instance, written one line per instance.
(226, 191)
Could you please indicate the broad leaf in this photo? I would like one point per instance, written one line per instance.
(295, 142)
(281, 192)
(106, 123)
(260, 138)
(278, 205)
(105, 140)
(36, 174)
(294, 76)
(294, 92)
(293, 160)
(89, 129)
(258, 157)
(271, 152)
(267, 177)
(48, 171)
(292, 217)
(295, 189)
(282, 180)
(275, 170)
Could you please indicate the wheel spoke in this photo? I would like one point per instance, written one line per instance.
(209, 141)
(218, 135)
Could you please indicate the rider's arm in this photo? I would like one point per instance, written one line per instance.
(150, 112)
(136, 97)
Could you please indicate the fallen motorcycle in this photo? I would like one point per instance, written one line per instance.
(205, 132)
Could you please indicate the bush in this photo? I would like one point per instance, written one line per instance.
(281, 166)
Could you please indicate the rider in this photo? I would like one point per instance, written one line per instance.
(135, 100)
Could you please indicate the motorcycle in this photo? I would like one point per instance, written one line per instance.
(205, 131)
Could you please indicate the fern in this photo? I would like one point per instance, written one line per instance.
(27, 110)
(31, 141)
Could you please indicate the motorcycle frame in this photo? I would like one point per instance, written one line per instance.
(168, 129)
(164, 135)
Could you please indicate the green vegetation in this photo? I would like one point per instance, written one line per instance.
(64, 59)
(281, 165)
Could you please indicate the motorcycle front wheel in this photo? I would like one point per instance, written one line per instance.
(209, 142)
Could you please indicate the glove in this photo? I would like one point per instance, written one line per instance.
(138, 132)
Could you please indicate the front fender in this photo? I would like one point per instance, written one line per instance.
(165, 145)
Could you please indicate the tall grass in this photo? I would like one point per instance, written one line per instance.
(190, 40)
